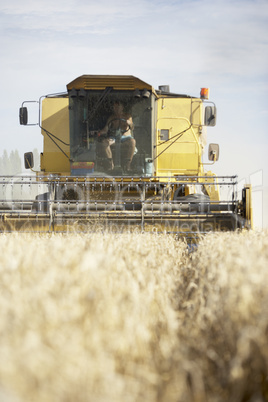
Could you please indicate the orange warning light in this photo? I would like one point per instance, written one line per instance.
(204, 93)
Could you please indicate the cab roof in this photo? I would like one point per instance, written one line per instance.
(100, 82)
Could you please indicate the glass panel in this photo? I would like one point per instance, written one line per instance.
(110, 133)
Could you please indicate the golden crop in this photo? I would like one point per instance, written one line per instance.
(133, 317)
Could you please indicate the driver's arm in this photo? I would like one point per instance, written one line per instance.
(130, 123)
(104, 130)
(129, 127)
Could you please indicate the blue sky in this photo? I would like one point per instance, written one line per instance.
(187, 44)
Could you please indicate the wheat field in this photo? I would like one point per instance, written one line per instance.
(133, 317)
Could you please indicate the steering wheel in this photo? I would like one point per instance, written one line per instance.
(123, 126)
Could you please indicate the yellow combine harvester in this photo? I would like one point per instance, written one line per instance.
(119, 154)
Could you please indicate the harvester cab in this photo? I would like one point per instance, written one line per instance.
(110, 128)
(119, 152)
(89, 129)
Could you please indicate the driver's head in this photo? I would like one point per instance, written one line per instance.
(118, 107)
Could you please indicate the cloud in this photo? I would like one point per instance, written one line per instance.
(68, 16)
(185, 43)
(198, 38)
(239, 42)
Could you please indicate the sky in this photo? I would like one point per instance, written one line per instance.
(186, 44)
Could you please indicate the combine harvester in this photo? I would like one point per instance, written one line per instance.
(119, 154)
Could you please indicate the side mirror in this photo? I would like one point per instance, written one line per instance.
(213, 152)
(210, 116)
(23, 116)
(28, 160)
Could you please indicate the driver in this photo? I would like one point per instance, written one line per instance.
(119, 126)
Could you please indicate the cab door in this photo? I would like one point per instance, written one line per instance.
(177, 148)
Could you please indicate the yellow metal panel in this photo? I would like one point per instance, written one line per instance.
(189, 108)
(179, 163)
(212, 186)
(181, 154)
(248, 206)
(55, 162)
(55, 119)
